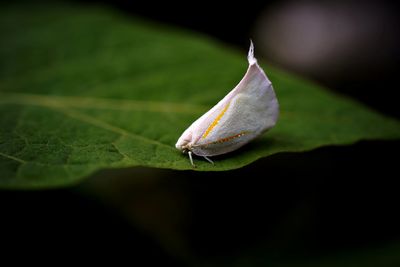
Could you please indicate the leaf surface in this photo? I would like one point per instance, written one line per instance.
(84, 88)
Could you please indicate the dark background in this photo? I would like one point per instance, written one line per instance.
(330, 205)
(364, 64)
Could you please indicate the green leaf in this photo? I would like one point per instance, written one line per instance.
(83, 88)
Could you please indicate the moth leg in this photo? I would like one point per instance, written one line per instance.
(191, 158)
(209, 160)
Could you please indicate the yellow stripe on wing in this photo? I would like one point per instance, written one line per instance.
(216, 121)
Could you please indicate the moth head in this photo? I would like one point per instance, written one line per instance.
(184, 143)
(184, 147)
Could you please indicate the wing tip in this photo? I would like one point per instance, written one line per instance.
(250, 56)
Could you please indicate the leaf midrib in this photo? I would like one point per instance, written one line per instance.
(59, 101)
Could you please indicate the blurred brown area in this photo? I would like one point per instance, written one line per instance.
(350, 46)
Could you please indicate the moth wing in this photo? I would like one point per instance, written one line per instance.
(196, 130)
(252, 109)
(245, 112)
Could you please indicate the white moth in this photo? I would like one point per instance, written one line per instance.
(250, 109)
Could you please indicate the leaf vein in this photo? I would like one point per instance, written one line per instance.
(107, 126)
(12, 157)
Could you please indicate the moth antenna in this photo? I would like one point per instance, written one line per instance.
(250, 56)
